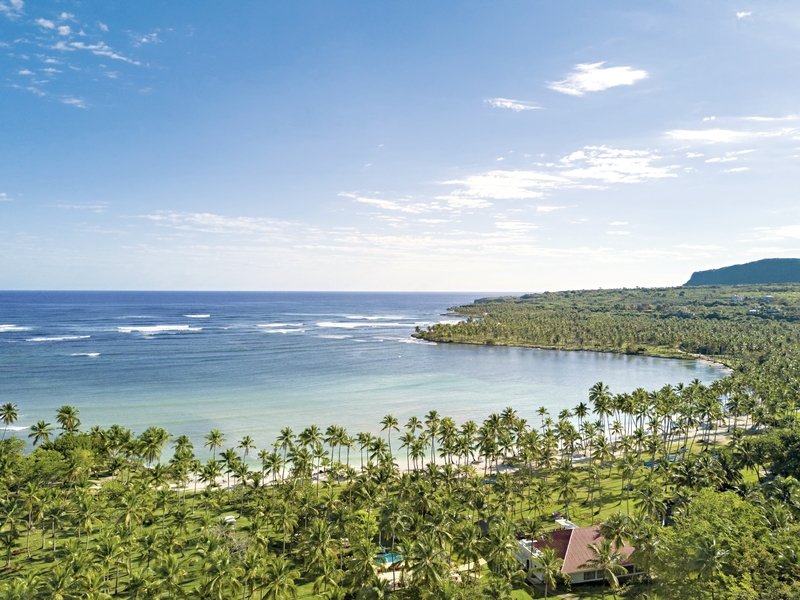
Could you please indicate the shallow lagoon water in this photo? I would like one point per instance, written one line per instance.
(252, 363)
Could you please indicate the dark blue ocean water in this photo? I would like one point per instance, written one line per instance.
(251, 363)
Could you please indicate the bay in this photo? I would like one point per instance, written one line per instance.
(252, 363)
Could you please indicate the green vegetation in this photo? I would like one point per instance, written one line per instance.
(735, 325)
(700, 480)
(768, 270)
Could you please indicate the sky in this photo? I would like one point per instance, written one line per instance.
(394, 146)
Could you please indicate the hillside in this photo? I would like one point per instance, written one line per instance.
(768, 270)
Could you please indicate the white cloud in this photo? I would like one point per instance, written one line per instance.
(51, 71)
(618, 232)
(546, 209)
(101, 49)
(4, 197)
(211, 223)
(617, 223)
(76, 102)
(743, 14)
(46, 23)
(515, 105)
(612, 165)
(13, 9)
(25, 72)
(699, 247)
(779, 233)
(515, 226)
(693, 154)
(102, 26)
(737, 170)
(413, 208)
(504, 185)
(594, 78)
(786, 118)
(65, 16)
(711, 136)
(721, 160)
(64, 30)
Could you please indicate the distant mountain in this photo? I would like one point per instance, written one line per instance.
(768, 270)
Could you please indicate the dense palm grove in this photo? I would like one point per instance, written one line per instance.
(699, 479)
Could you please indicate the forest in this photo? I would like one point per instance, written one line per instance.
(701, 480)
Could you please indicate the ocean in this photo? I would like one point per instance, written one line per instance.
(252, 363)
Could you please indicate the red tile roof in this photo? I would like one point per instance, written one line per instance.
(571, 545)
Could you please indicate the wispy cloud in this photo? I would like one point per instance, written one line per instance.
(786, 118)
(149, 38)
(98, 208)
(102, 49)
(612, 165)
(778, 233)
(399, 206)
(212, 223)
(590, 168)
(711, 136)
(504, 185)
(46, 23)
(594, 78)
(515, 226)
(515, 105)
(737, 170)
(76, 102)
(12, 9)
(102, 26)
(4, 197)
(64, 30)
(743, 14)
(726, 136)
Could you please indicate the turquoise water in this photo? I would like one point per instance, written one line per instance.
(252, 363)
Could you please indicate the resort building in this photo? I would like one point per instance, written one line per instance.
(571, 545)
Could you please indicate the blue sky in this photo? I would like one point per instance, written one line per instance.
(481, 146)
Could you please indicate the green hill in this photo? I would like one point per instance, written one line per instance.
(768, 270)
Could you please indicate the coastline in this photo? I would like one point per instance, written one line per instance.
(681, 355)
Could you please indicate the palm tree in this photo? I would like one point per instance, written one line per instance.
(432, 422)
(428, 561)
(285, 440)
(615, 529)
(389, 422)
(40, 432)
(214, 439)
(246, 445)
(67, 417)
(549, 565)
(281, 577)
(708, 560)
(170, 576)
(286, 521)
(9, 415)
(153, 440)
(608, 561)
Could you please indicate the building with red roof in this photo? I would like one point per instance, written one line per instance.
(572, 546)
